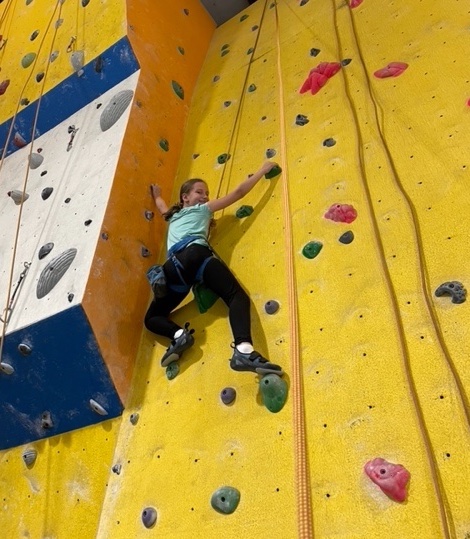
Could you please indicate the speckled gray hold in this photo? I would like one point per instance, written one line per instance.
(29, 457)
(455, 289)
(228, 395)
(54, 271)
(271, 306)
(134, 418)
(45, 250)
(347, 237)
(329, 142)
(149, 517)
(301, 119)
(270, 153)
(225, 500)
(46, 192)
(35, 160)
(172, 370)
(115, 109)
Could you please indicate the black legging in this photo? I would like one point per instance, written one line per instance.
(217, 277)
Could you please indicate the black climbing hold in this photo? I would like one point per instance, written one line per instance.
(195, 155)
(225, 500)
(223, 158)
(347, 237)
(244, 211)
(300, 119)
(46, 192)
(85, 3)
(88, 222)
(134, 418)
(178, 89)
(24, 102)
(255, 27)
(46, 420)
(149, 517)
(270, 153)
(98, 64)
(44, 172)
(329, 142)
(227, 103)
(216, 78)
(149, 215)
(243, 17)
(144, 252)
(224, 52)
(228, 395)
(45, 250)
(271, 306)
(314, 52)
(274, 392)
(164, 144)
(263, 118)
(104, 236)
(70, 298)
(346, 61)
(455, 289)
(252, 88)
(224, 47)
(34, 35)
(67, 200)
(250, 50)
(275, 171)
(172, 370)
(180, 50)
(24, 349)
(312, 249)
(117, 469)
(303, 2)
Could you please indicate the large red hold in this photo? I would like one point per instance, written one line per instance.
(341, 213)
(318, 76)
(391, 478)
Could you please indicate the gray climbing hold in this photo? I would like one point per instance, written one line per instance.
(53, 56)
(271, 306)
(39, 76)
(59, 23)
(29, 457)
(301, 119)
(34, 35)
(250, 50)
(314, 52)
(216, 78)
(346, 61)
(254, 28)
(115, 109)
(224, 47)
(347, 237)
(46, 192)
(225, 500)
(24, 349)
(35, 160)
(243, 17)
(252, 87)
(274, 392)
(172, 370)
(97, 408)
(17, 196)
(228, 395)
(178, 89)
(224, 52)
(149, 215)
(54, 271)
(25, 101)
(270, 153)
(164, 144)
(144, 252)
(85, 3)
(195, 155)
(6, 368)
(303, 2)
(149, 517)
(223, 158)
(28, 59)
(134, 418)
(329, 142)
(227, 103)
(455, 289)
(117, 468)
(77, 59)
(46, 420)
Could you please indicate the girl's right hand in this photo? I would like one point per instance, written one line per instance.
(267, 166)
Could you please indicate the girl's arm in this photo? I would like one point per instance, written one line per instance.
(240, 191)
(157, 196)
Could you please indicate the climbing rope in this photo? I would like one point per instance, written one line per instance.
(302, 473)
(445, 516)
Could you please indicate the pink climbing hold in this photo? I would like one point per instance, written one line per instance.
(19, 141)
(341, 213)
(3, 86)
(391, 478)
(318, 76)
(355, 3)
(393, 69)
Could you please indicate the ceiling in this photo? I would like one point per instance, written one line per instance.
(223, 10)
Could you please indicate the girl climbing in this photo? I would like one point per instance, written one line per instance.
(190, 260)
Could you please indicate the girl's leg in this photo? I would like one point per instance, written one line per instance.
(157, 318)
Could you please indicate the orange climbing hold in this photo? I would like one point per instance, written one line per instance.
(318, 76)
(393, 69)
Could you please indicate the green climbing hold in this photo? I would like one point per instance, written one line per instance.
(244, 211)
(223, 158)
(172, 370)
(164, 144)
(204, 297)
(275, 171)
(274, 392)
(252, 88)
(312, 249)
(225, 500)
(178, 89)
(28, 59)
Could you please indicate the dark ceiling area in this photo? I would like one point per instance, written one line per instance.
(223, 10)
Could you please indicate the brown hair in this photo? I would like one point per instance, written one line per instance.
(184, 190)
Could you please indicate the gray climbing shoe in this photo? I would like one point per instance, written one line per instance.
(178, 346)
(253, 362)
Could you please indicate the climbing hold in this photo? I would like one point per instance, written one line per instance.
(164, 144)
(228, 395)
(54, 271)
(88, 222)
(144, 252)
(394, 69)
(454, 289)
(77, 59)
(300, 119)
(45, 250)
(4, 85)
(172, 370)
(224, 52)
(70, 297)
(204, 297)
(347, 237)
(46, 192)
(85, 3)
(355, 3)
(46, 420)
(180, 50)
(195, 155)
(59, 22)
(244, 211)
(329, 142)
(314, 52)
(391, 478)
(216, 78)
(224, 47)
(250, 50)
(225, 500)
(67, 200)
(24, 349)
(271, 306)
(274, 392)
(29, 457)
(346, 61)
(115, 109)
(104, 236)
(275, 171)
(270, 153)
(227, 103)
(96, 407)
(34, 35)
(19, 141)
(39, 76)
(149, 215)
(28, 59)
(134, 418)
(252, 88)
(149, 517)
(98, 64)
(18, 196)
(303, 2)
(319, 76)
(53, 56)
(6, 368)
(255, 27)
(312, 249)
(243, 17)
(343, 213)
(186, 11)
(223, 158)
(178, 89)
(35, 160)
(117, 469)
(24, 102)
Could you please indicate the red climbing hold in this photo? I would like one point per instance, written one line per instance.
(391, 478)
(3, 86)
(355, 3)
(318, 76)
(19, 141)
(393, 69)
(341, 213)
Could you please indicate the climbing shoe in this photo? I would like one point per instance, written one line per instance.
(178, 346)
(253, 362)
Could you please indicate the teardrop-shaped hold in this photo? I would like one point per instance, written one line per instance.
(228, 395)
(274, 392)
(225, 500)
(149, 215)
(24, 349)
(19, 141)
(29, 457)
(244, 211)
(314, 52)
(85, 3)
(149, 517)
(6, 368)
(346, 61)
(46, 192)
(134, 418)
(35, 160)
(4, 85)
(28, 59)
(53, 56)
(329, 142)
(164, 144)
(18, 196)
(172, 370)
(275, 171)
(115, 109)
(70, 297)
(45, 250)
(252, 87)
(250, 50)
(224, 47)
(271, 306)
(227, 104)
(97, 408)
(270, 153)
(216, 78)
(144, 252)
(180, 50)
(28, 2)
(254, 28)
(223, 158)
(312, 249)
(224, 52)
(46, 420)
(77, 59)
(178, 89)
(54, 271)
(39, 76)
(303, 2)
(34, 35)
(243, 17)
(347, 237)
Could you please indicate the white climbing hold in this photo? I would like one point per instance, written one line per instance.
(77, 59)
(7, 368)
(35, 160)
(17, 196)
(97, 408)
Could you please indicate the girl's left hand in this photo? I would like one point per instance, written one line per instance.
(156, 190)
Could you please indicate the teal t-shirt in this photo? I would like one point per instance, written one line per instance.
(190, 221)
